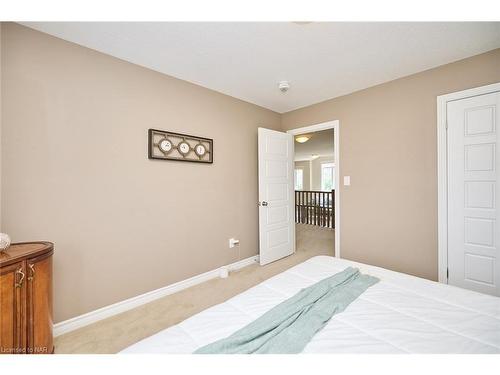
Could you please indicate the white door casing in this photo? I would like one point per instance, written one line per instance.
(335, 125)
(473, 192)
(276, 195)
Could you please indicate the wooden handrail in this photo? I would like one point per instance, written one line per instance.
(313, 191)
(315, 207)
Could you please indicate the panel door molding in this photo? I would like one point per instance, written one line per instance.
(472, 164)
(12, 309)
(276, 197)
(39, 305)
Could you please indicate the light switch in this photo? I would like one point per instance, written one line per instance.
(347, 180)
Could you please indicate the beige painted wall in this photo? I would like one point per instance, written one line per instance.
(388, 147)
(76, 172)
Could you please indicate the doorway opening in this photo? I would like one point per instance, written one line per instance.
(316, 180)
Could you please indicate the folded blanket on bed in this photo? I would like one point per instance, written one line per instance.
(289, 326)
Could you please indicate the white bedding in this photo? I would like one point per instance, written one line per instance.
(400, 314)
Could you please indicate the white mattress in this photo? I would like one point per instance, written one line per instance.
(400, 314)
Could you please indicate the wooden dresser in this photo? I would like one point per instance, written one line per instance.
(26, 298)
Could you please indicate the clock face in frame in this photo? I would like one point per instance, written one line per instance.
(200, 150)
(184, 148)
(165, 145)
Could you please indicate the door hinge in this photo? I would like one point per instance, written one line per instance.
(446, 125)
(447, 273)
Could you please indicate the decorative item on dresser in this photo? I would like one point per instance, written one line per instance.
(4, 241)
(26, 298)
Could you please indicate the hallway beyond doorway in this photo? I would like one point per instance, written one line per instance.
(315, 239)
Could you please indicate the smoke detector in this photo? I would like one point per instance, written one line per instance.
(284, 86)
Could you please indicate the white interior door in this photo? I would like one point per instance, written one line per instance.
(473, 193)
(276, 196)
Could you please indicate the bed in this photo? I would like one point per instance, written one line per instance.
(400, 314)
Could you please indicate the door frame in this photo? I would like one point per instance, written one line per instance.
(442, 169)
(335, 125)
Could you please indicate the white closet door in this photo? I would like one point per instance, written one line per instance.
(276, 196)
(473, 193)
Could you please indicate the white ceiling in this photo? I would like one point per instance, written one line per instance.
(321, 143)
(247, 60)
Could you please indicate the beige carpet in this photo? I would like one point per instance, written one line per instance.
(116, 333)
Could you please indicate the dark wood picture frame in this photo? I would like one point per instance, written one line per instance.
(152, 145)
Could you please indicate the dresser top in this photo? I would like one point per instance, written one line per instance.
(19, 251)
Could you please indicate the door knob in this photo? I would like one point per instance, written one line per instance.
(264, 203)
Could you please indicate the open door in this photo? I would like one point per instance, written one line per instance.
(276, 196)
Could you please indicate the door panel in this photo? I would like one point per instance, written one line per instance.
(39, 285)
(276, 222)
(12, 309)
(473, 190)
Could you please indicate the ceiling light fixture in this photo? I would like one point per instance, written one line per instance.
(314, 156)
(302, 138)
(284, 86)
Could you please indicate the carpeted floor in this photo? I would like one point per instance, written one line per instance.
(116, 333)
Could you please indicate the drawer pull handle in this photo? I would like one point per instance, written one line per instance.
(32, 268)
(20, 272)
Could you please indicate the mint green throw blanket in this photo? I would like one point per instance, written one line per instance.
(289, 326)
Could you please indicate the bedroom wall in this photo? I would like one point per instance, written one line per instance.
(75, 169)
(76, 172)
(388, 147)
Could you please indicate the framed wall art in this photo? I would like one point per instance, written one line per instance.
(165, 145)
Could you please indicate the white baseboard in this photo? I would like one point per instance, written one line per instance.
(128, 304)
